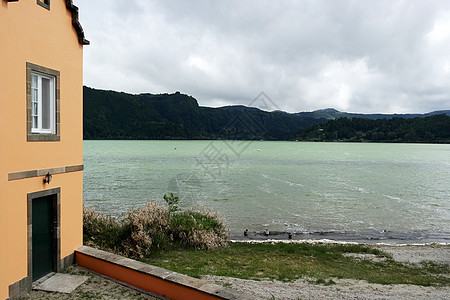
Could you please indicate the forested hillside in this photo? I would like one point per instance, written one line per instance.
(116, 115)
(432, 129)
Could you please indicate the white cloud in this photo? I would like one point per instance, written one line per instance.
(359, 56)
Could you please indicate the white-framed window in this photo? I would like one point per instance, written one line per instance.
(42, 103)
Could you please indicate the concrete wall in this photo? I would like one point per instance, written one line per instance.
(31, 33)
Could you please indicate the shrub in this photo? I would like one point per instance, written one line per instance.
(153, 227)
(172, 202)
(147, 229)
(199, 229)
(102, 231)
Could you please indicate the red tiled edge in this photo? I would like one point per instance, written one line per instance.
(153, 279)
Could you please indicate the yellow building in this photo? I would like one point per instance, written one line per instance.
(41, 58)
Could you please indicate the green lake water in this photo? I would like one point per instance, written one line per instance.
(397, 193)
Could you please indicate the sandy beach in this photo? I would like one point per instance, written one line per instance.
(347, 288)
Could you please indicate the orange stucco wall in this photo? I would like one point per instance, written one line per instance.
(3, 159)
(31, 33)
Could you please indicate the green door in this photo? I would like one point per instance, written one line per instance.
(42, 237)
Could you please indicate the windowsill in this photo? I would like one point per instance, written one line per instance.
(36, 131)
(42, 137)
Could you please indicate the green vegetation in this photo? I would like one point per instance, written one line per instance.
(195, 242)
(101, 231)
(287, 262)
(114, 115)
(432, 129)
(172, 202)
(142, 231)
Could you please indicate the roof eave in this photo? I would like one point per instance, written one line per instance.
(76, 23)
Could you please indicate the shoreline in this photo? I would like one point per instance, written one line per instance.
(389, 238)
(339, 242)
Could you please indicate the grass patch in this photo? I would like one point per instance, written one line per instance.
(288, 262)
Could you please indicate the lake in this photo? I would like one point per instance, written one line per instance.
(395, 193)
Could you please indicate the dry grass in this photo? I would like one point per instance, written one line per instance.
(153, 227)
(147, 228)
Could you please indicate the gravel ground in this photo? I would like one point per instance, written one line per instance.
(418, 253)
(347, 288)
(343, 289)
(96, 287)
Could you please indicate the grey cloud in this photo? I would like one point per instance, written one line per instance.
(359, 56)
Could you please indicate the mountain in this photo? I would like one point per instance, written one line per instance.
(332, 114)
(118, 115)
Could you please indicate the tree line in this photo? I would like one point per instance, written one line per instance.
(432, 129)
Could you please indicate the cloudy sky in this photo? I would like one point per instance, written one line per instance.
(369, 56)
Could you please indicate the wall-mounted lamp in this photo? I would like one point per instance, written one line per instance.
(47, 178)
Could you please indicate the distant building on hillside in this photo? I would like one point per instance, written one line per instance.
(41, 161)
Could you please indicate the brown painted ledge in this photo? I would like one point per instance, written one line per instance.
(153, 279)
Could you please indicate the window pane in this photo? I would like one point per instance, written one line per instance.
(35, 125)
(34, 109)
(34, 80)
(34, 95)
(46, 103)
